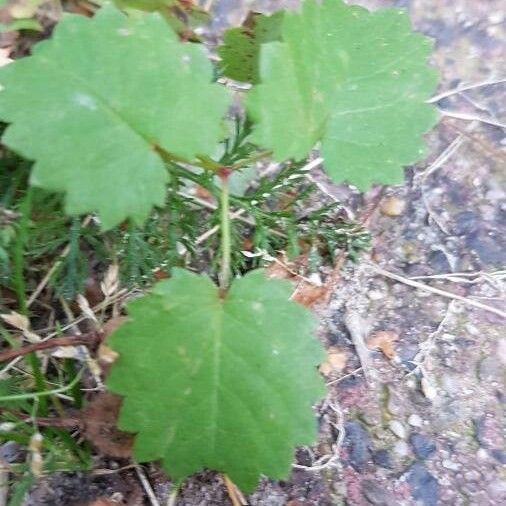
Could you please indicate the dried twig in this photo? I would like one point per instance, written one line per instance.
(172, 498)
(331, 460)
(233, 492)
(341, 378)
(465, 87)
(486, 147)
(358, 329)
(472, 117)
(146, 486)
(437, 291)
(439, 162)
(89, 340)
(45, 421)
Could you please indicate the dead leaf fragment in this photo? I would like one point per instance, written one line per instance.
(100, 417)
(383, 340)
(22, 323)
(106, 354)
(307, 293)
(277, 271)
(110, 285)
(16, 320)
(335, 361)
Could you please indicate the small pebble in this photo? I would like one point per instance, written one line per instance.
(375, 295)
(415, 420)
(394, 404)
(398, 429)
(393, 206)
(482, 454)
(499, 455)
(449, 464)
(424, 487)
(382, 458)
(357, 440)
(422, 446)
(401, 448)
(376, 494)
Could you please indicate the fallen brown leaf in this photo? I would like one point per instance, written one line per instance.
(100, 417)
(335, 361)
(276, 271)
(307, 293)
(383, 340)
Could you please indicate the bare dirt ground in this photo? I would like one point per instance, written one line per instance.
(421, 420)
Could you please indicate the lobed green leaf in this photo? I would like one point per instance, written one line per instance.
(220, 384)
(355, 80)
(93, 104)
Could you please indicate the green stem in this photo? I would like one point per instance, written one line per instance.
(41, 395)
(252, 159)
(203, 162)
(225, 233)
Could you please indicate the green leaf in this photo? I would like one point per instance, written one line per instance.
(241, 46)
(355, 80)
(219, 384)
(93, 103)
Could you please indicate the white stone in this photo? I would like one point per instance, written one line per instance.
(398, 429)
(415, 420)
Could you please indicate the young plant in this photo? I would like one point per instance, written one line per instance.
(221, 377)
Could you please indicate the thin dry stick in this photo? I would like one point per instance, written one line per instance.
(146, 486)
(84, 340)
(443, 157)
(233, 492)
(172, 498)
(215, 229)
(341, 378)
(358, 329)
(328, 461)
(471, 117)
(485, 146)
(465, 87)
(119, 295)
(466, 277)
(439, 162)
(437, 291)
(45, 421)
(213, 207)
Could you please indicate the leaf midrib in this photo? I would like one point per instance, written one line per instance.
(102, 101)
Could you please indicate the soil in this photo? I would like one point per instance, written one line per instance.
(422, 422)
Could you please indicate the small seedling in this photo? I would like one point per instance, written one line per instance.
(218, 376)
